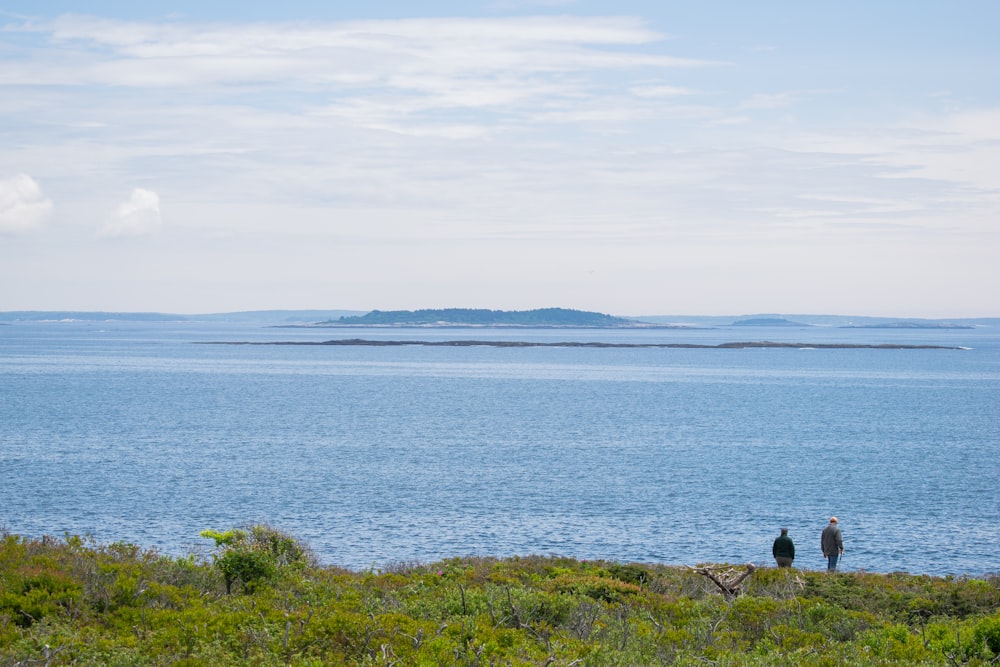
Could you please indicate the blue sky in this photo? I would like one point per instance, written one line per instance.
(629, 157)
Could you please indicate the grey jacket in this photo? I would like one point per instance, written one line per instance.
(831, 541)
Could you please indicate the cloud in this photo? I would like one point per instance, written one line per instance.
(23, 206)
(768, 101)
(508, 5)
(960, 151)
(449, 78)
(659, 91)
(138, 216)
(353, 53)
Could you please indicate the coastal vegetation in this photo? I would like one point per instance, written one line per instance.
(260, 598)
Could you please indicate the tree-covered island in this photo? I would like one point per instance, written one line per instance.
(482, 317)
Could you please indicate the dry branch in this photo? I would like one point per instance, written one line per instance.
(728, 579)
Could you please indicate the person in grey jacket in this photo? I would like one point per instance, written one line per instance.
(832, 543)
(783, 549)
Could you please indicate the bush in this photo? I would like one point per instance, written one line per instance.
(256, 555)
(987, 632)
(34, 593)
(75, 602)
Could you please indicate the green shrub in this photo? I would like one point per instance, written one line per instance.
(255, 556)
(629, 573)
(35, 592)
(594, 587)
(987, 632)
(72, 601)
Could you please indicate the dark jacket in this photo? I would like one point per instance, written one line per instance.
(831, 541)
(783, 547)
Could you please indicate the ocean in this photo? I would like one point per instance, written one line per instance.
(379, 455)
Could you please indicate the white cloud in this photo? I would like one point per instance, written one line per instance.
(507, 5)
(869, 205)
(453, 78)
(961, 149)
(23, 206)
(659, 91)
(102, 51)
(138, 216)
(768, 101)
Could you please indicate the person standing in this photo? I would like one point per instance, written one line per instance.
(783, 549)
(832, 543)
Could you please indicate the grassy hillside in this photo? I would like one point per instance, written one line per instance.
(72, 601)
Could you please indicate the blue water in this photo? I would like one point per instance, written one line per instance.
(375, 455)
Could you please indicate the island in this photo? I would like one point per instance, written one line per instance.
(768, 322)
(539, 318)
(593, 344)
(909, 325)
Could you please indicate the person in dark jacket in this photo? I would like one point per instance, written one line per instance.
(783, 549)
(832, 543)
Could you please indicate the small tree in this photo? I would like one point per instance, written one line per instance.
(255, 555)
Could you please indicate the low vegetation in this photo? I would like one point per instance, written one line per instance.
(262, 599)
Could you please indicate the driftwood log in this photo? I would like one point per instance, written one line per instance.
(728, 579)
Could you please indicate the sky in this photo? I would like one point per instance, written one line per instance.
(630, 157)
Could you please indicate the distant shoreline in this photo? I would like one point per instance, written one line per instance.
(361, 342)
(350, 319)
(522, 327)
